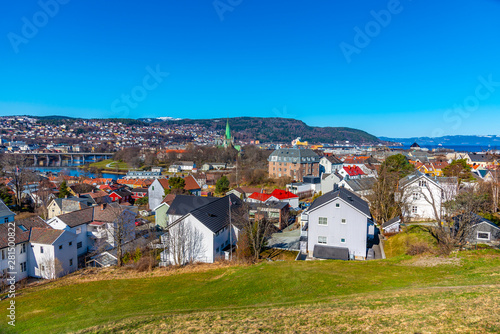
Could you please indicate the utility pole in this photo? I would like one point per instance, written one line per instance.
(230, 231)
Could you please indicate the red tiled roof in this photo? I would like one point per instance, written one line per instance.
(353, 170)
(191, 183)
(283, 194)
(260, 197)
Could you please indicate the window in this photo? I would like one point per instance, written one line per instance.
(42, 267)
(322, 221)
(414, 209)
(23, 267)
(422, 183)
(23, 249)
(344, 221)
(41, 249)
(321, 240)
(3, 254)
(70, 262)
(342, 240)
(78, 230)
(153, 187)
(70, 243)
(337, 205)
(6, 220)
(217, 250)
(483, 235)
(416, 196)
(79, 245)
(60, 246)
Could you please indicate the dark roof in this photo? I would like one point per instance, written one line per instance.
(414, 145)
(270, 204)
(410, 178)
(123, 192)
(331, 252)
(79, 217)
(347, 196)
(334, 160)
(365, 183)
(476, 219)
(215, 215)
(184, 204)
(44, 235)
(139, 190)
(22, 234)
(4, 210)
(480, 157)
(391, 221)
(71, 203)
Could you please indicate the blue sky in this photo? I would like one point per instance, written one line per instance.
(397, 69)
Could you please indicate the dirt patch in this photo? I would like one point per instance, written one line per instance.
(433, 261)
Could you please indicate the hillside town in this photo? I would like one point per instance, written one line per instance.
(316, 202)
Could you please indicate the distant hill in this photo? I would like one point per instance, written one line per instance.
(277, 129)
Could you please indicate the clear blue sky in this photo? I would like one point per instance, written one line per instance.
(263, 58)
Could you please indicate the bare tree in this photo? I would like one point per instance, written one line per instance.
(120, 226)
(15, 167)
(185, 243)
(50, 267)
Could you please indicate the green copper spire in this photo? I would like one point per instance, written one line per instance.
(228, 131)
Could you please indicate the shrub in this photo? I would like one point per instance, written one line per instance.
(145, 263)
(417, 248)
(126, 258)
(137, 255)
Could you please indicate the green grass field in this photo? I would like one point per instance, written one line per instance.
(110, 164)
(265, 294)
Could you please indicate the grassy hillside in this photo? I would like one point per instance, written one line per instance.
(403, 294)
(275, 129)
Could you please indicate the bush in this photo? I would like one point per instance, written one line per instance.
(126, 258)
(145, 263)
(417, 248)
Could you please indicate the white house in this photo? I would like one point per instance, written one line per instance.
(423, 196)
(182, 166)
(5, 214)
(338, 226)
(156, 192)
(362, 187)
(329, 181)
(202, 235)
(330, 164)
(52, 253)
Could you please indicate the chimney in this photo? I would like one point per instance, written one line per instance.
(103, 206)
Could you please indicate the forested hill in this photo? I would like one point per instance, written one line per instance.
(282, 130)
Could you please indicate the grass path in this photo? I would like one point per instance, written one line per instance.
(252, 294)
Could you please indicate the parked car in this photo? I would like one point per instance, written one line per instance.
(141, 221)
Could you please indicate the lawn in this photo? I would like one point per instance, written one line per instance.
(393, 295)
(110, 165)
(397, 245)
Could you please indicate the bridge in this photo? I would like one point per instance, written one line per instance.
(74, 157)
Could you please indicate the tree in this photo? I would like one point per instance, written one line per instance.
(142, 201)
(222, 185)
(177, 185)
(51, 268)
(63, 190)
(120, 228)
(459, 169)
(397, 164)
(15, 166)
(184, 243)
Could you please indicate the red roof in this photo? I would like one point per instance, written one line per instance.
(260, 196)
(283, 194)
(353, 170)
(190, 183)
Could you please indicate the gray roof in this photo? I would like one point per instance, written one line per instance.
(474, 157)
(184, 204)
(365, 183)
(71, 203)
(391, 221)
(294, 155)
(347, 196)
(270, 204)
(4, 210)
(410, 178)
(331, 252)
(334, 160)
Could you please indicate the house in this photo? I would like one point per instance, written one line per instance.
(260, 198)
(301, 189)
(314, 182)
(329, 164)
(161, 216)
(142, 175)
(139, 193)
(294, 163)
(182, 166)
(59, 206)
(5, 214)
(392, 226)
(351, 172)
(482, 160)
(423, 196)
(362, 187)
(339, 226)
(483, 231)
(205, 234)
(329, 181)
(122, 195)
(94, 227)
(286, 196)
(273, 211)
(244, 192)
(214, 165)
(52, 253)
(97, 197)
(21, 245)
(156, 192)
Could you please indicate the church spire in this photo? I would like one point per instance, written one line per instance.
(228, 131)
